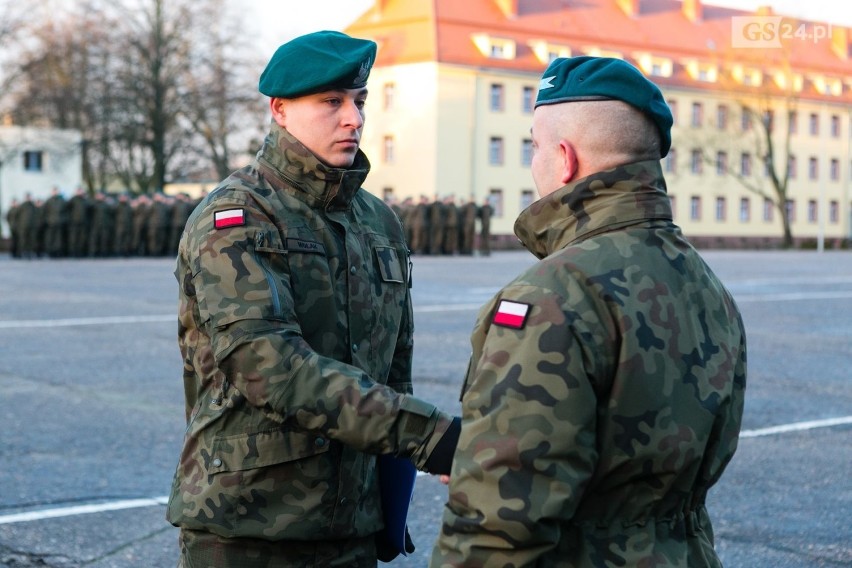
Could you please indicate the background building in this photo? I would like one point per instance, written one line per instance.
(454, 84)
(36, 160)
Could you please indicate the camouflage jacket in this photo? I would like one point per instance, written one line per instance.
(295, 326)
(605, 392)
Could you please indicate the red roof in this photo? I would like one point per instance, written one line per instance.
(411, 31)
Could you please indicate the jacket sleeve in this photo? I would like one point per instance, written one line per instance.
(246, 306)
(527, 447)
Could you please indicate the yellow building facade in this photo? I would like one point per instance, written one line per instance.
(453, 88)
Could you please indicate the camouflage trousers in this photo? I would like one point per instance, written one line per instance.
(206, 550)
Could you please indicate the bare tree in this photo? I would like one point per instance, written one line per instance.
(220, 88)
(758, 129)
(160, 90)
(12, 23)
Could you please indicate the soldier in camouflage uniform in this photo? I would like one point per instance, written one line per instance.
(295, 326)
(606, 387)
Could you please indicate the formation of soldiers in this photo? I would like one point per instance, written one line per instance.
(104, 225)
(443, 227)
(108, 225)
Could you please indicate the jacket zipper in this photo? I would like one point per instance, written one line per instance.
(263, 261)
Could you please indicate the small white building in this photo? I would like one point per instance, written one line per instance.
(35, 160)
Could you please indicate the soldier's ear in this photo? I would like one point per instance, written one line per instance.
(278, 107)
(570, 162)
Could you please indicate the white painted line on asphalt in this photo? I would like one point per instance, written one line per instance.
(793, 296)
(447, 308)
(67, 322)
(86, 321)
(82, 510)
(156, 501)
(796, 427)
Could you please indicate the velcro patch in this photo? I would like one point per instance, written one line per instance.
(511, 314)
(229, 218)
(389, 265)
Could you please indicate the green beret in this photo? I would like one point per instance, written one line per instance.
(586, 78)
(316, 62)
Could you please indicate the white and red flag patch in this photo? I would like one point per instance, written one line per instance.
(511, 314)
(229, 218)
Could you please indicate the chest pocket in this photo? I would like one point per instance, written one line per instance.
(391, 267)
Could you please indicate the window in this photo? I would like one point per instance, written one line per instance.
(722, 117)
(526, 152)
(721, 163)
(528, 98)
(745, 209)
(495, 199)
(33, 161)
(671, 161)
(695, 208)
(721, 208)
(388, 148)
(793, 118)
(835, 126)
(792, 166)
(496, 97)
(745, 120)
(697, 114)
(768, 210)
(527, 198)
(745, 164)
(494, 47)
(813, 168)
(389, 95)
(495, 151)
(813, 211)
(695, 162)
(833, 211)
(791, 210)
(835, 169)
(813, 123)
(673, 108)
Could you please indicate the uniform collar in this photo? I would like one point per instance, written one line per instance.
(623, 196)
(290, 162)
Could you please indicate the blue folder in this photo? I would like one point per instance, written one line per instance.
(396, 483)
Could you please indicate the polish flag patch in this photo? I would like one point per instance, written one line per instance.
(229, 218)
(511, 314)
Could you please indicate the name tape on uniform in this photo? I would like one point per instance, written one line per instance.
(511, 314)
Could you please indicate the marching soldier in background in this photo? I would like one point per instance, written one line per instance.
(420, 227)
(141, 207)
(181, 208)
(159, 225)
(102, 230)
(123, 226)
(12, 221)
(436, 227)
(469, 213)
(485, 227)
(56, 224)
(79, 223)
(451, 226)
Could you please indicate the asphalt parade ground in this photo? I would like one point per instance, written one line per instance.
(92, 406)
